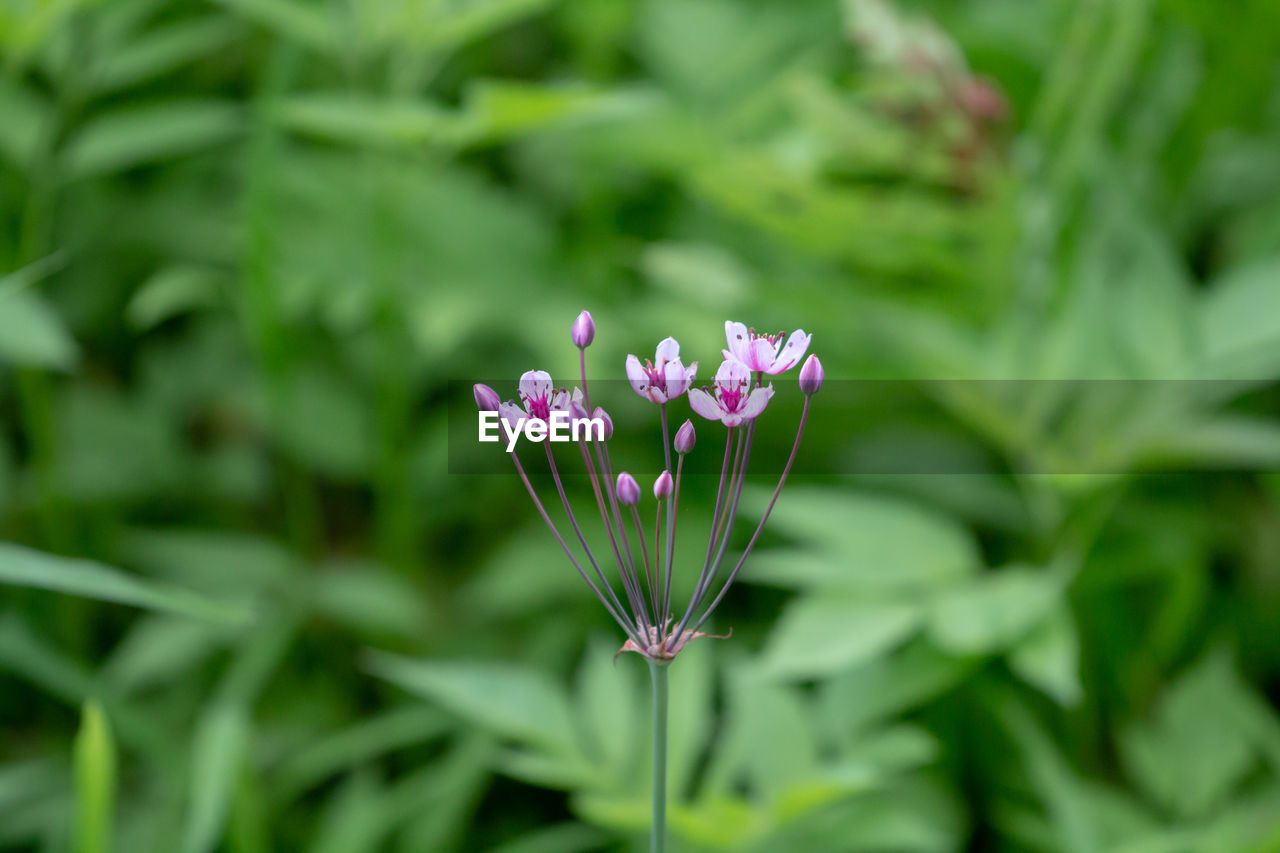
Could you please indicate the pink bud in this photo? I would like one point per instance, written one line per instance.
(811, 375)
(577, 411)
(628, 490)
(662, 486)
(685, 437)
(583, 331)
(487, 399)
(608, 422)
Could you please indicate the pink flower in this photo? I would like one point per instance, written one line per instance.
(811, 375)
(664, 378)
(538, 399)
(734, 401)
(764, 353)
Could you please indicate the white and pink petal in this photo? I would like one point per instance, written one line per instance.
(706, 405)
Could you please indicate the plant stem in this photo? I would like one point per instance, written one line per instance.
(658, 833)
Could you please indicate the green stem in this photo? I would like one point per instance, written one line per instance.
(658, 834)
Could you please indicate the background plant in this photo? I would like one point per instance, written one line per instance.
(246, 244)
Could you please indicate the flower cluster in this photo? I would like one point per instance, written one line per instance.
(736, 397)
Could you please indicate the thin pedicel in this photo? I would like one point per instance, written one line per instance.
(737, 396)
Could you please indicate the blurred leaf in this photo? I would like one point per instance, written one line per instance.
(440, 801)
(238, 564)
(1221, 440)
(355, 817)
(994, 610)
(1193, 753)
(501, 109)
(872, 543)
(218, 752)
(173, 291)
(26, 117)
(689, 712)
(492, 111)
(95, 765)
(31, 332)
(1049, 657)
(1073, 824)
(510, 701)
(25, 567)
(162, 50)
(560, 838)
(29, 781)
(305, 23)
(30, 656)
(356, 119)
(456, 23)
(137, 135)
(1241, 323)
(608, 703)
(885, 686)
(367, 597)
(160, 649)
(697, 271)
(333, 752)
(822, 636)
(113, 447)
(325, 422)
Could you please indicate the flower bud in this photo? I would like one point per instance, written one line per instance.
(608, 422)
(685, 437)
(811, 375)
(662, 486)
(628, 490)
(583, 331)
(577, 411)
(487, 399)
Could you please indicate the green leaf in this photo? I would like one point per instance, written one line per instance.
(327, 755)
(454, 24)
(366, 597)
(560, 838)
(95, 766)
(137, 135)
(360, 119)
(306, 23)
(608, 702)
(697, 271)
(217, 757)
(1049, 657)
(1221, 440)
(26, 118)
(991, 612)
(1241, 323)
(1194, 752)
(866, 542)
(21, 566)
(161, 649)
(31, 333)
(355, 817)
(886, 686)
(502, 109)
(155, 53)
(818, 637)
(324, 421)
(508, 700)
(173, 291)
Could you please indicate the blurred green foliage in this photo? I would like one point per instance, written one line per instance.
(246, 243)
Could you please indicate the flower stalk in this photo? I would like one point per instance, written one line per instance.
(737, 397)
(658, 825)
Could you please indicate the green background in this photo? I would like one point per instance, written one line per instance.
(246, 245)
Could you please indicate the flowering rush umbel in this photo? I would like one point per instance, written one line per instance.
(737, 396)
